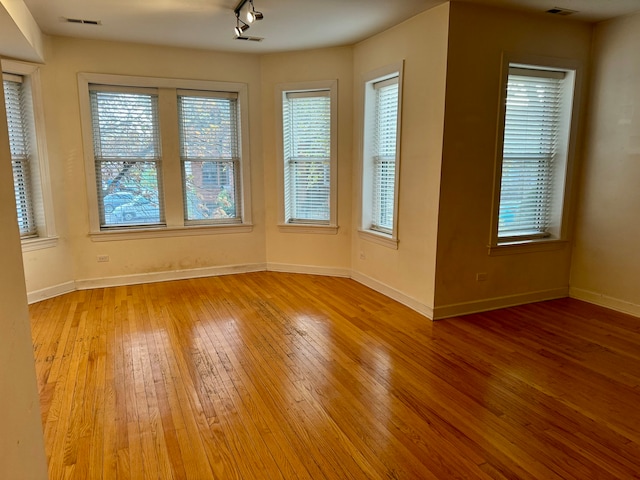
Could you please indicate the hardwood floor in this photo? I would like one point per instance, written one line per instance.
(273, 375)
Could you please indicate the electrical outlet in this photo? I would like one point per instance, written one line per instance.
(103, 258)
(481, 277)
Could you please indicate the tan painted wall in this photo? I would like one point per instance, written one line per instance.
(308, 249)
(20, 35)
(51, 267)
(21, 443)
(478, 36)
(606, 259)
(66, 58)
(422, 43)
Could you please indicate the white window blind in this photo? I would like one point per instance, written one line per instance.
(127, 156)
(307, 156)
(209, 149)
(18, 120)
(384, 154)
(531, 132)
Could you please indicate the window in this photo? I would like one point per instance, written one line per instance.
(28, 156)
(308, 155)
(166, 156)
(380, 157)
(18, 117)
(535, 150)
(126, 149)
(209, 153)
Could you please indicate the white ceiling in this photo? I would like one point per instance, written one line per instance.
(287, 24)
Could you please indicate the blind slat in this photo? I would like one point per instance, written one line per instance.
(532, 123)
(307, 156)
(384, 154)
(19, 117)
(126, 143)
(209, 149)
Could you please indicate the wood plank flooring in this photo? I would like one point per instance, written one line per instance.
(282, 376)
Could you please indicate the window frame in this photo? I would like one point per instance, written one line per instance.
(234, 159)
(171, 177)
(366, 229)
(155, 160)
(331, 227)
(557, 237)
(41, 192)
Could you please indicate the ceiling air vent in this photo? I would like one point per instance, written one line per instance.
(561, 11)
(81, 21)
(249, 39)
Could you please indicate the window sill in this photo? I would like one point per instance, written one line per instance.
(163, 232)
(308, 228)
(528, 246)
(32, 244)
(379, 238)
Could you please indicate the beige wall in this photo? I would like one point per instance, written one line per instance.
(606, 259)
(322, 252)
(478, 36)
(66, 58)
(446, 174)
(422, 43)
(53, 267)
(21, 445)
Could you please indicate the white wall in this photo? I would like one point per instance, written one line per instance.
(606, 258)
(21, 444)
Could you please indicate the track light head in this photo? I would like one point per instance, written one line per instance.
(241, 27)
(252, 15)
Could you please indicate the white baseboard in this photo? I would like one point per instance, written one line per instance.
(167, 276)
(309, 269)
(391, 292)
(605, 301)
(466, 308)
(50, 292)
(436, 313)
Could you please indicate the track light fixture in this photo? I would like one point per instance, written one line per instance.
(253, 15)
(241, 27)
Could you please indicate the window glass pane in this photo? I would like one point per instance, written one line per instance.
(210, 190)
(130, 193)
(311, 186)
(384, 160)
(210, 159)
(18, 119)
(532, 124)
(127, 155)
(125, 125)
(307, 156)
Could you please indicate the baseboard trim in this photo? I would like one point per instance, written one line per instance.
(605, 301)
(437, 313)
(50, 292)
(309, 270)
(394, 294)
(466, 308)
(168, 276)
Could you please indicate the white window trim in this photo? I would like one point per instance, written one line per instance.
(300, 227)
(45, 222)
(365, 231)
(559, 239)
(171, 165)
